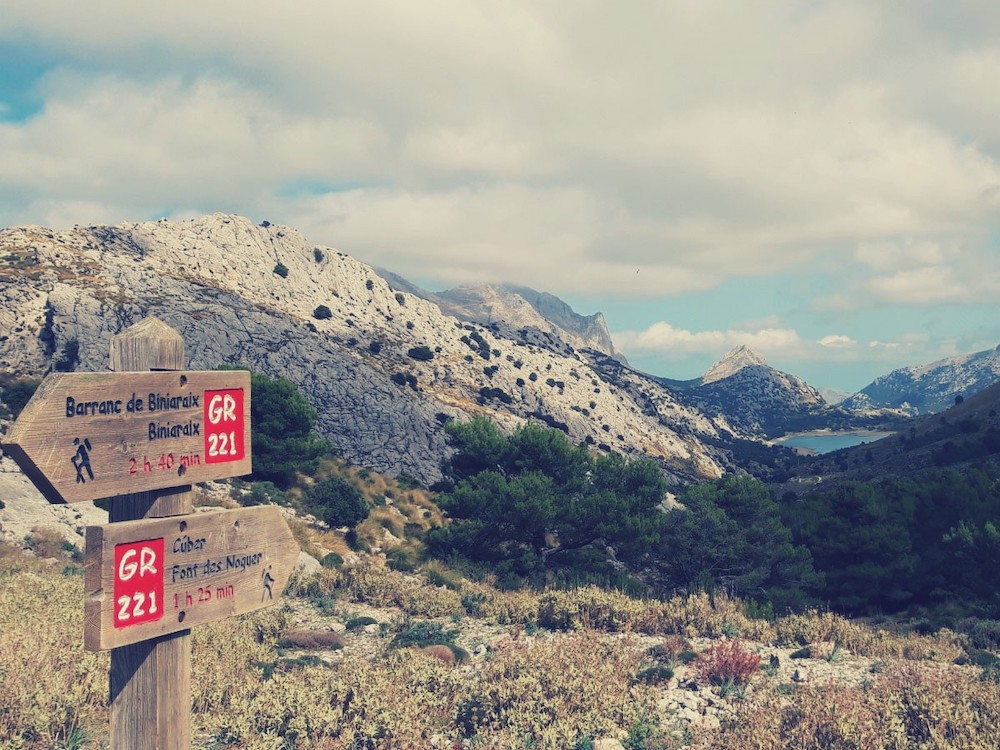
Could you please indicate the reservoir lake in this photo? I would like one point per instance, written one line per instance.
(824, 441)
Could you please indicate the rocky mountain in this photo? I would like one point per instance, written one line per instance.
(833, 396)
(930, 388)
(734, 361)
(756, 398)
(383, 366)
(519, 312)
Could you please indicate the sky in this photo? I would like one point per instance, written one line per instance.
(817, 180)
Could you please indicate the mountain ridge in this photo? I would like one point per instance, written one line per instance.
(250, 295)
(517, 308)
(932, 387)
(735, 360)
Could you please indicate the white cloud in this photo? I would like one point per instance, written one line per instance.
(664, 338)
(920, 285)
(206, 141)
(837, 341)
(563, 146)
(505, 232)
(886, 255)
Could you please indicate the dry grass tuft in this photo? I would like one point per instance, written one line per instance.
(442, 653)
(312, 640)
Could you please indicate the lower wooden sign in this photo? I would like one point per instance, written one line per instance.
(157, 576)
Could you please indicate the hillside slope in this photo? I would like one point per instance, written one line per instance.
(966, 432)
(383, 367)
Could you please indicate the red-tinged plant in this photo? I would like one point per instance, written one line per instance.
(727, 663)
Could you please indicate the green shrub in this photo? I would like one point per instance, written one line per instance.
(69, 358)
(282, 420)
(403, 559)
(336, 502)
(420, 353)
(984, 634)
(331, 560)
(16, 395)
(281, 270)
(264, 493)
(687, 656)
(655, 675)
(322, 312)
(356, 623)
(423, 633)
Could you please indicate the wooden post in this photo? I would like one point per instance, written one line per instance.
(151, 680)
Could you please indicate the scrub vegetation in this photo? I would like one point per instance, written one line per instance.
(561, 670)
(541, 596)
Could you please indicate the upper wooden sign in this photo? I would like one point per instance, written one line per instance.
(157, 576)
(85, 436)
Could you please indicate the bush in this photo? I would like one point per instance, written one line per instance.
(423, 633)
(404, 378)
(336, 502)
(403, 559)
(318, 254)
(727, 662)
(45, 542)
(551, 694)
(984, 634)
(281, 270)
(264, 493)
(905, 706)
(322, 312)
(420, 353)
(16, 395)
(281, 423)
(331, 560)
(356, 623)
(655, 675)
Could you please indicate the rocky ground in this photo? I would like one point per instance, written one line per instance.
(684, 701)
(24, 510)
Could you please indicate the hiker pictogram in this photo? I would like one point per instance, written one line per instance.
(81, 459)
(268, 580)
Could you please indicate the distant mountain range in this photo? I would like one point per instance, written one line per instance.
(386, 363)
(519, 311)
(965, 432)
(930, 388)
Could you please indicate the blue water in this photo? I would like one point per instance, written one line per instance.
(825, 442)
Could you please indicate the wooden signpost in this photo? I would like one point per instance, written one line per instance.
(154, 577)
(91, 435)
(141, 438)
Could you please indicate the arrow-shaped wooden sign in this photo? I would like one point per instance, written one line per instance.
(85, 436)
(157, 576)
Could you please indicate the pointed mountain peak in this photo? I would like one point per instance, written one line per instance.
(738, 358)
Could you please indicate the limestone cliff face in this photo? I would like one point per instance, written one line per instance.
(520, 311)
(246, 294)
